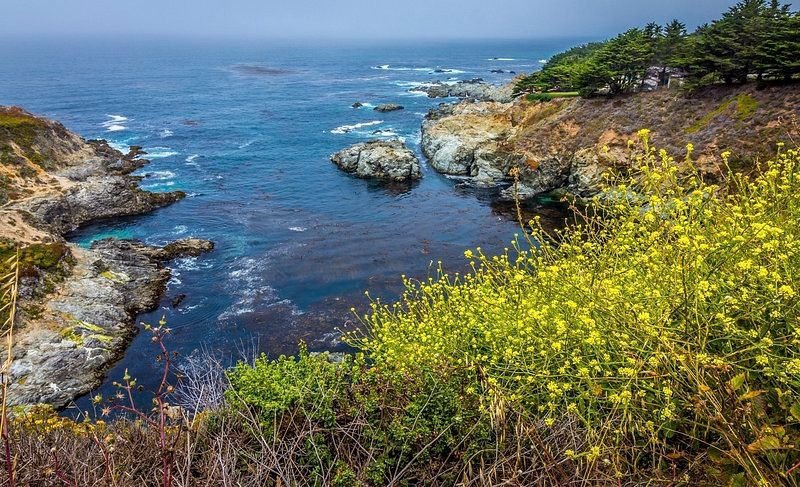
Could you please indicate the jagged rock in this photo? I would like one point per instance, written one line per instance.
(379, 159)
(187, 247)
(91, 317)
(475, 89)
(95, 198)
(357, 104)
(461, 140)
(388, 107)
(470, 139)
(177, 300)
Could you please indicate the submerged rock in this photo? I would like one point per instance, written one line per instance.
(379, 159)
(388, 107)
(357, 104)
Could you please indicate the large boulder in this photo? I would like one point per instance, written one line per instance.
(379, 159)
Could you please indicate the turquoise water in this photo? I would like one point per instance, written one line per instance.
(246, 130)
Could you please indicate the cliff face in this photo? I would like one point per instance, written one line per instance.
(77, 306)
(570, 143)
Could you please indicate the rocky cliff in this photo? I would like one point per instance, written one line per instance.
(77, 306)
(570, 143)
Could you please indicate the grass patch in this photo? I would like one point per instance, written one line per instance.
(703, 122)
(547, 96)
(746, 106)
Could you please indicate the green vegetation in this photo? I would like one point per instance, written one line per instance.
(22, 129)
(41, 266)
(755, 38)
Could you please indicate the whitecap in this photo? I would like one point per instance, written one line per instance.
(159, 152)
(192, 264)
(246, 144)
(344, 129)
(160, 175)
(389, 67)
(158, 185)
(417, 93)
(192, 157)
(118, 146)
(180, 230)
(166, 133)
(543, 61)
(114, 123)
(298, 229)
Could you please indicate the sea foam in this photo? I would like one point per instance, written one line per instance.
(115, 123)
(346, 129)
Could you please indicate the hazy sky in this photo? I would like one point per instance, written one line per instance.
(346, 18)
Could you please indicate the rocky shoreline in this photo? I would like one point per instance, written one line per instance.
(77, 306)
(570, 144)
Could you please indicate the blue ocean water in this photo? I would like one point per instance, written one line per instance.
(246, 130)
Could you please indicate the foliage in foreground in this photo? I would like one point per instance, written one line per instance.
(667, 323)
(656, 341)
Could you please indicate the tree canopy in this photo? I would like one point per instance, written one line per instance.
(754, 39)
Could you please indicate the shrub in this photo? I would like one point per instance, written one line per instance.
(667, 323)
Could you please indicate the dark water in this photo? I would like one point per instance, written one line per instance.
(246, 131)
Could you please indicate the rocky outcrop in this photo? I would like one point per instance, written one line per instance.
(379, 159)
(77, 313)
(94, 198)
(467, 140)
(388, 107)
(89, 319)
(474, 89)
(571, 144)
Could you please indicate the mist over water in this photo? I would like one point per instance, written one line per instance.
(246, 131)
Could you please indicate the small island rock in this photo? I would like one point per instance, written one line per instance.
(379, 159)
(388, 107)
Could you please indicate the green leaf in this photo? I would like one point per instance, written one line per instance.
(737, 382)
(795, 411)
(751, 395)
(768, 442)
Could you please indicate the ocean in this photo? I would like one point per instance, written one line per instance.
(246, 130)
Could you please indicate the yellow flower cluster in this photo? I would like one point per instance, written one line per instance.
(670, 286)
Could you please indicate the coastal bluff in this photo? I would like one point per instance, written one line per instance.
(569, 144)
(77, 306)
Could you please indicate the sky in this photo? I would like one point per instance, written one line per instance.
(346, 19)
